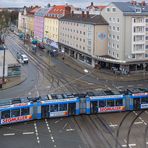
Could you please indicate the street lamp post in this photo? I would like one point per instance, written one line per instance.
(3, 79)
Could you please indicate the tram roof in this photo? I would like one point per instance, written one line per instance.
(137, 90)
(5, 102)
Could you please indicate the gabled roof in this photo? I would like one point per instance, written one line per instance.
(79, 18)
(129, 8)
(34, 10)
(57, 9)
(42, 11)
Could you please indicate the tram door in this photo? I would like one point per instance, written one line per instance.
(136, 104)
(45, 111)
(94, 107)
(71, 108)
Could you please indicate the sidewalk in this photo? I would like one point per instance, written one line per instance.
(103, 74)
(14, 81)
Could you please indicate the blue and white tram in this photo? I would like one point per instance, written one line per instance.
(15, 110)
(57, 105)
(105, 101)
(138, 98)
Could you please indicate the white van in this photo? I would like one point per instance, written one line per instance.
(22, 58)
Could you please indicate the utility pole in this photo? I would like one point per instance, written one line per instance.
(3, 79)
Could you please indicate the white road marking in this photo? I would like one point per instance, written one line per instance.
(68, 130)
(9, 134)
(135, 113)
(28, 133)
(113, 125)
(51, 137)
(36, 132)
(140, 118)
(130, 145)
(55, 146)
(138, 122)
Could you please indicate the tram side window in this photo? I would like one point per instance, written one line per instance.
(25, 111)
(110, 103)
(62, 107)
(5, 114)
(102, 103)
(54, 108)
(144, 100)
(15, 112)
(119, 102)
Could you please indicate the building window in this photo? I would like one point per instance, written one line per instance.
(113, 45)
(146, 55)
(77, 38)
(113, 53)
(146, 37)
(80, 39)
(146, 47)
(80, 46)
(146, 20)
(80, 32)
(118, 37)
(83, 33)
(83, 40)
(118, 29)
(117, 20)
(108, 9)
(114, 20)
(113, 36)
(117, 46)
(117, 55)
(146, 29)
(114, 9)
(113, 28)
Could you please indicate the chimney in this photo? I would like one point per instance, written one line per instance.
(92, 3)
(83, 15)
(67, 10)
(133, 2)
(72, 13)
(87, 14)
(143, 3)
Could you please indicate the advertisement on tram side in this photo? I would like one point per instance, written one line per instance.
(58, 114)
(16, 119)
(144, 106)
(111, 109)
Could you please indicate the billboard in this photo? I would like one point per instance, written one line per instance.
(16, 119)
(111, 109)
(57, 114)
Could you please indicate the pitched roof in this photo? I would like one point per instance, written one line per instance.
(42, 11)
(91, 19)
(129, 8)
(57, 9)
(34, 10)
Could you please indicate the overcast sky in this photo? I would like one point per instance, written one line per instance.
(80, 3)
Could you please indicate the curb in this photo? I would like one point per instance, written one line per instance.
(14, 84)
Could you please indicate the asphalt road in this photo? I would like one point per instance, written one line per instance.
(94, 131)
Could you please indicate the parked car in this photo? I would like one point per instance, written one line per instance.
(22, 58)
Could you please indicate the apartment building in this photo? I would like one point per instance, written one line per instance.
(51, 23)
(39, 23)
(83, 36)
(30, 20)
(127, 35)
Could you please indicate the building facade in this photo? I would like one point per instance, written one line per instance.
(51, 25)
(30, 21)
(128, 34)
(83, 36)
(39, 23)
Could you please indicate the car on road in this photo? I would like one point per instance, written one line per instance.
(22, 58)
